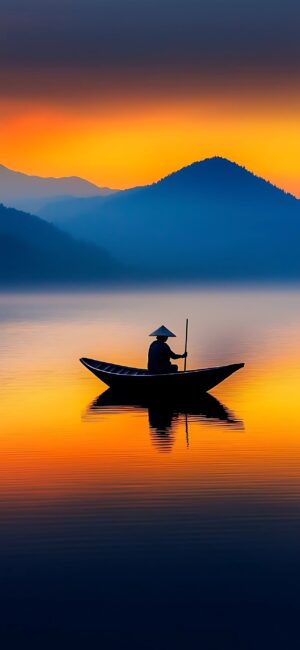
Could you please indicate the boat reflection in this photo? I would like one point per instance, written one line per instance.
(166, 413)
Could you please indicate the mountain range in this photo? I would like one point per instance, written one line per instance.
(210, 220)
(33, 251)
(30, 193)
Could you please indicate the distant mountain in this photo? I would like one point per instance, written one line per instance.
(31, 193)
(211, 220)
(34, 251)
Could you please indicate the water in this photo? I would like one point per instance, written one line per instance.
(132, 526)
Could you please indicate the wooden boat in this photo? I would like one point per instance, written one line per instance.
(137, 380)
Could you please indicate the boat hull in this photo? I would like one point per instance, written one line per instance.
(135, 380)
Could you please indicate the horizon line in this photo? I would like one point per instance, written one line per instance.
(154, 182)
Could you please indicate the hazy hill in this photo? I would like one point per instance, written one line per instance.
(32, 250)
(213, 219)
(32, 192)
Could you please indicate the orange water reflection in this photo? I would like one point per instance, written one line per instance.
(54, 445)
(164, 413)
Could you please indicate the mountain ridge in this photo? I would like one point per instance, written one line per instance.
(211, 218)
(221, 162)
(29, 192)
(33, 250)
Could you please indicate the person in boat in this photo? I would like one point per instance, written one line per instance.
(160, 354)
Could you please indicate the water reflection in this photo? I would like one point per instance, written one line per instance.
(166, 413)
(103, 537)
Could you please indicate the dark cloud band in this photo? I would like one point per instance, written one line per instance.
(215, 36)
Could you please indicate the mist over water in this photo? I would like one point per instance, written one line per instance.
(120, 518)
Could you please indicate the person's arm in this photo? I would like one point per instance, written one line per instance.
(177, 356)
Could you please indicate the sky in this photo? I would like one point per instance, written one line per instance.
(122, 92)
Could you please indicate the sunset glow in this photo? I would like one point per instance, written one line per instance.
(149, 479)
(124, 106)
(145, 141)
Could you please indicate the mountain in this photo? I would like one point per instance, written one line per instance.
(34, 251)
(31, 193)
(211, 220)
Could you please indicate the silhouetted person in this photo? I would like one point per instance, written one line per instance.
(160, 353)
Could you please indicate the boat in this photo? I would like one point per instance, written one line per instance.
(138, 380)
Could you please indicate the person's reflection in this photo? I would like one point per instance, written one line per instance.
(161, 425)
(164, 413)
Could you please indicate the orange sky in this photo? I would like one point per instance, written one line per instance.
(122, 140)
(123, 92)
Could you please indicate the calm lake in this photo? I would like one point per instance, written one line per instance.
(127, 526)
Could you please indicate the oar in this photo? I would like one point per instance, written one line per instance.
(186, 339)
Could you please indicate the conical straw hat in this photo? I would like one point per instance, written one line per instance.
(162, 331)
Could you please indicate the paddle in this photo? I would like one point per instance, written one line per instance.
(186, 338)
